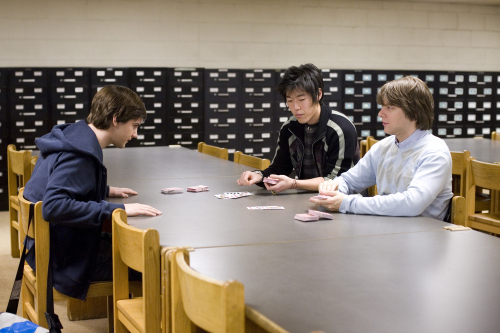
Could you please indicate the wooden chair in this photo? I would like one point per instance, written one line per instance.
(33, 162)
(213, 150)
(459, 172)
(202, 302)
(34, 286)
(18, 173)
(485, 175)
(140, 250)
(370, 141)
(362, 148)
(251, 161)
(458, 210)
(494, 136)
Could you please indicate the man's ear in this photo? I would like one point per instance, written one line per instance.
(320, 94)
(114, 121)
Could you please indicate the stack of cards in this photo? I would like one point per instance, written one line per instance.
(321, 197)
(313, 215)
(270, 181)
(198, 188)
(265, 207)
(321, 214)
(306, 217)
(457, 228)
(232, 195)
(171, 190)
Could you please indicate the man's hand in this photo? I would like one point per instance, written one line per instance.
(136, 209)
(333, 203)
(283, 184)
(120, 192)
(249, 178)
(328, 185)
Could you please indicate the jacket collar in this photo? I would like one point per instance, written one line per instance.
(298, 129)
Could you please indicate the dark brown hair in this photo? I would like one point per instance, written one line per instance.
(413, 96)
(113, 101)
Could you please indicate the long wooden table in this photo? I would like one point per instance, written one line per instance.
(434, 281)
(485, 150)
(354, 273)
(144, 163)
(202, 220)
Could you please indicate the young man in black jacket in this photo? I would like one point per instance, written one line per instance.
(316, 142)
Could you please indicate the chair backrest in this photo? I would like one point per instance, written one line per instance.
(459, 171)
(251, 161)
(362, 148)
(370, 141)
(487, 176)
(212, 305)
(140, 250)
(458, 210)
(494, 136)
(39, 230)
(483, 174)
(213, 150)
(19, 168)
(33, 162)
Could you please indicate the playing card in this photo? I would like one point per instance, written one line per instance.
(306, 217)
(320, 214)
(266, 207)
(320, 197)
(234, 195)
(270, 181)
(198, 188)
(170, 190)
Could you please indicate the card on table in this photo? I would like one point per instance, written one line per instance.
(457, 228)
(198, 188)
(266, 207)
(306, 217)
(171, 190)
(233, 195)
(320, 214)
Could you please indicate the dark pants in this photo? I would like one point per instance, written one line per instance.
(104, 268)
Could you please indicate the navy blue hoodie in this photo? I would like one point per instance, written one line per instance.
(70, 178)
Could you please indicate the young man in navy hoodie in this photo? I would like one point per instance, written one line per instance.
(70, 178)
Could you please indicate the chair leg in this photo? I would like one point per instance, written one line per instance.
(111, 316)
(14, 236)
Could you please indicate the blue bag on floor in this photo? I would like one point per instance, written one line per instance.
(11, 323)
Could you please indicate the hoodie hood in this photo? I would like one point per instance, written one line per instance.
(77, 137)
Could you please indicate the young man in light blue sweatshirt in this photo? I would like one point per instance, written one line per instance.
(411, 167)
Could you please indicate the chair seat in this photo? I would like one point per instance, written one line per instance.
(96, 289)
(487, 218)
(133, 311)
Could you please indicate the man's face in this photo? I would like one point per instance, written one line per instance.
(396, 123)
(302, 107)
(124, 132)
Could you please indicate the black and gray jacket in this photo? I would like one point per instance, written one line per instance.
(335, 146)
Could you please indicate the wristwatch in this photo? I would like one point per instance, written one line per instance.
(261, 175)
